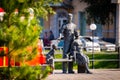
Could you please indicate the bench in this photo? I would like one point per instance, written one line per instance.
(60, 60)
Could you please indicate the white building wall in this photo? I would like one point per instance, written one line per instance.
(78, 6)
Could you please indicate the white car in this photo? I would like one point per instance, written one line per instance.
(88, 45)
(58, 43)
(54, 42)
(107, 46)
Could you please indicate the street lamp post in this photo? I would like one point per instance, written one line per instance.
(93, 27)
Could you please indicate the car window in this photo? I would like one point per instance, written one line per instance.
(87, 39)
(98, 40)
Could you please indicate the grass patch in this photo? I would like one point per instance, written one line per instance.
(97, 64)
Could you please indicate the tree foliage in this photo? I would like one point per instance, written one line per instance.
(25, 73)
(20, 29)
(100, 11)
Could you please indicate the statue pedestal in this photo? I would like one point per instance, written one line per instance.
(81, 69)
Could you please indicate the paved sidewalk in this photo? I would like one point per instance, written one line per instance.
(98, 74)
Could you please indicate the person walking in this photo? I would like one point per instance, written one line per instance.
(46, 39)
(51, 36)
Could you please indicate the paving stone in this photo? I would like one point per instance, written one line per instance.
(98, 74)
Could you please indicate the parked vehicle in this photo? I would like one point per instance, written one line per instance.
(88, 45)
(55, 42)
(107, 46)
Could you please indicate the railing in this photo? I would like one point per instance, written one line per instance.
(104, 60)
(93, 59)
(48, 48)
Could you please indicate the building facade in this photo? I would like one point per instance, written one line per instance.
(77, 8)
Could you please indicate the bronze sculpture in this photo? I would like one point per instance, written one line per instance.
(68, 31)
(81, 59)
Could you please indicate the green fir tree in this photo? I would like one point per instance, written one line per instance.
(20, 29)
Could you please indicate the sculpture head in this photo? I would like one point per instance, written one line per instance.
(77, 34)
(70, 16)
(54, 47)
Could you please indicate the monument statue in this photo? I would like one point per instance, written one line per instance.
(81, 59)
(68, 30)
(50, 57)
